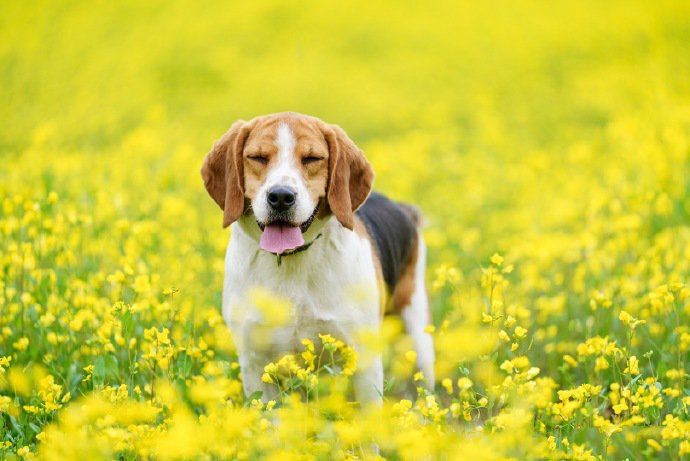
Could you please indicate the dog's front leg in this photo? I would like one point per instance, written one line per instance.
(252, 367)
(368, 383)
(368, 387)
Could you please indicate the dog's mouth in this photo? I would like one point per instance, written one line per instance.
(279, 236)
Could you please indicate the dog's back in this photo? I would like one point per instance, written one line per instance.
(393, 228)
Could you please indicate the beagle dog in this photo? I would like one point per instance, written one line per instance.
(305, 225)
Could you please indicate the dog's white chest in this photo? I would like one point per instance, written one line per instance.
(331, 288)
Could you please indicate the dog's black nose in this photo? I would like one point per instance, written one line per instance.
(281, 198)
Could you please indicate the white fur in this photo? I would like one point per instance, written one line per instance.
(332, 288)
(416, 318)
(285, 173)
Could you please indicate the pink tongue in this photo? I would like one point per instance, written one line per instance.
(279, 238)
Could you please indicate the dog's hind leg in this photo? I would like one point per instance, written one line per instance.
(416, 314)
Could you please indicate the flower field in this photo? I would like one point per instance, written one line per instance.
(548, 145)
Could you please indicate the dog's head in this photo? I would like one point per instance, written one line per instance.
(286, 171)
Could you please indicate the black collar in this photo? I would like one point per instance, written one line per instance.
(299, 249)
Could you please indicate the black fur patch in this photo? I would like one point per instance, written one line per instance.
(393, 230)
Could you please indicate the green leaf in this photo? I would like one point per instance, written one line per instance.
(253, 396)
(99, 371)
(183, 365)
(112, 368)
(127, 323)
(35, 428)
(15, 424)
(388, 384)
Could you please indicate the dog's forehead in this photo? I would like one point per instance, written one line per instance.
(305, 130)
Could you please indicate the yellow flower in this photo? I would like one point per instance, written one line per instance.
(308, 344)
(455, 409)
(496, 259)
(350, 361)
(633, 366)
(466, 415)
(605, 426)
(654, 444)
(570, 360)
(521, 362)
(601, 364)
(327, 340)
(5, 403)
(31, 409)
(520, 332)
(21, 344)
(684, 448)
(76, 324)
(464, 383)
(620, 407)
(447, 384)
(309, 358)
(629, 320)
(671, 392)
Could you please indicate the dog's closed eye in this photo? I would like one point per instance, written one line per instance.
(258, 158)
(311, 159)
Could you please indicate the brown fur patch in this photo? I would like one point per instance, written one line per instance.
(350, 178)
(223, 171)
(404, 289)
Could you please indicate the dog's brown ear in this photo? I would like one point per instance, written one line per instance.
(223, 171)
(350, 176)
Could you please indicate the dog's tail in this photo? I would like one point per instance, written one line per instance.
(414, 213)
